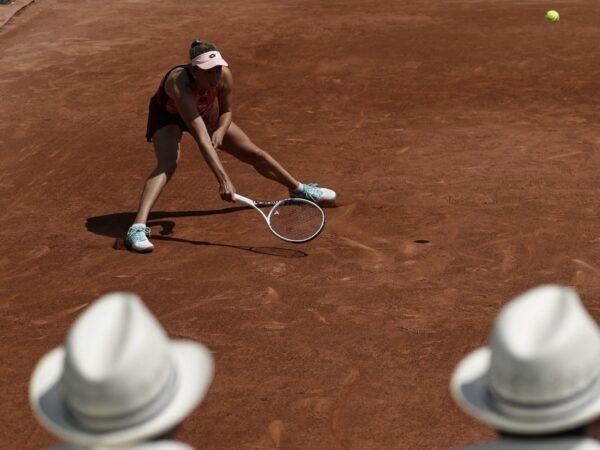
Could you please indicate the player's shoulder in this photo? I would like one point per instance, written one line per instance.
(226, 74)
(178, 74)
(177, 80)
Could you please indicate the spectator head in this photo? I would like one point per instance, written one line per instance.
(118, 379)
(540, 373)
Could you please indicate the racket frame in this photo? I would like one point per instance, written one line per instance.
(273, 204)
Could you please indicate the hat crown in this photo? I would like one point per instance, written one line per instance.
(545, 348)
(117, 360)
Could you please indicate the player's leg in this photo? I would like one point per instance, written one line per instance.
(166, 147)
(238, 144)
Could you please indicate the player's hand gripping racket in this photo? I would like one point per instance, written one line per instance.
(292, 219)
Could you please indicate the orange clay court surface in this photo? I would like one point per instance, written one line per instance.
(462, 138)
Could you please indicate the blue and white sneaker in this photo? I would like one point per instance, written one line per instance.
(137, 238)
(314, 193)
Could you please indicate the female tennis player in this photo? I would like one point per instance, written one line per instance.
(197, 98)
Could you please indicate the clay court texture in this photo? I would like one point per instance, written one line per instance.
(462, 138)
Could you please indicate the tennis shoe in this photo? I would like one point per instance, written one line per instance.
(314, 193)
(137, 239)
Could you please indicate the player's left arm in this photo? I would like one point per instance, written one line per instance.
(225, 114)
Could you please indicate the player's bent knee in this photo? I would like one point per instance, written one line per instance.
(170, 168)
(258, 156)
(167, 169)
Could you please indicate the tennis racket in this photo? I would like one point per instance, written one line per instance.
(293, 219)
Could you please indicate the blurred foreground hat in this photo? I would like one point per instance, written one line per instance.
(154, 445)
(118, 379)
(541, 371)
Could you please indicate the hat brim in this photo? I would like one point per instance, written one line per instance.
(211, 63)
(469, 388)
(154, 445)
(194, 367)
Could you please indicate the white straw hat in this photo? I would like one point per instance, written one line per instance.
(154, 445)
(541, 371)
(118, 379)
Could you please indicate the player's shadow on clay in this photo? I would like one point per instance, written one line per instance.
(116, 225)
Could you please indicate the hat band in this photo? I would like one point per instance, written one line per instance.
(546, 411)
(131, 418)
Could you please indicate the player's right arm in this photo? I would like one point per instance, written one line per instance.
(178, 88)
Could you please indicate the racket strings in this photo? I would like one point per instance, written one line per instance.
(296, 221)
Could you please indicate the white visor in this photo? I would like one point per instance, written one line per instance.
(209, 60)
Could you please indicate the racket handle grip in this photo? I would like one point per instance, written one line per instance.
(241, 198)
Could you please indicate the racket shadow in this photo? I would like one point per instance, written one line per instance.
(116, 225)
(271, 251)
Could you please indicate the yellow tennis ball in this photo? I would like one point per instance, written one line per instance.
(552, 16)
